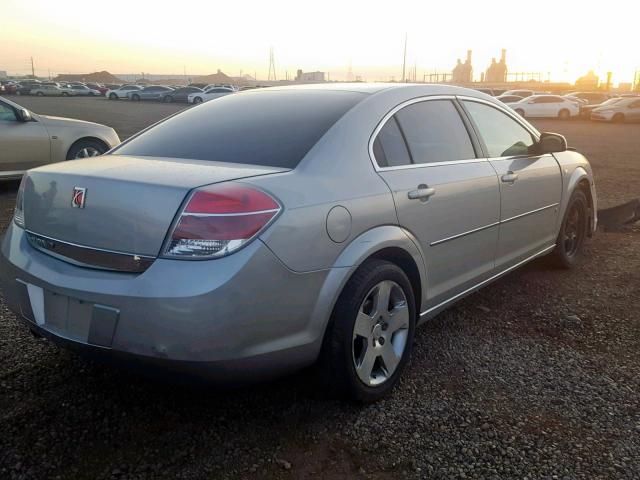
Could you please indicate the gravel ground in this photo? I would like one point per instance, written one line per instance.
(536, 376)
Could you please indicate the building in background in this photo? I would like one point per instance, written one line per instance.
(497, 71)
(463, 72)
(310, 76)
(590, 81)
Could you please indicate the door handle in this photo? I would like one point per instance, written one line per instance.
(422, 193)
(509, 177)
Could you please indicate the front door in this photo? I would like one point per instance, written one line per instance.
(530, 184)
(445, 195)
(24, 145)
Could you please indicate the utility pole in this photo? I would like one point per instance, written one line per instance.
(404, 61)
(33, 70)
(272, 66)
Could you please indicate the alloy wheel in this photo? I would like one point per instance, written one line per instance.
(88, 152)
(380, 333)
(574, 230)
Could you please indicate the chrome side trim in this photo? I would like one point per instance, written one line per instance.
(529, 213)
(479, 229)
(488, 280)
(453, 237)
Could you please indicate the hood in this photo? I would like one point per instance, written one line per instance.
(62, 121)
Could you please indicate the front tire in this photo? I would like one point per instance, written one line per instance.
(113, 96)
(573, 232)
(197, 100)
(564, 114)
(86, 148)
(369, 338)
(520, 112)
(167, 99)
(135, 97)
(39, 94)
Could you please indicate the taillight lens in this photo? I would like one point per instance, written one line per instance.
(18, 214)
(220, 219)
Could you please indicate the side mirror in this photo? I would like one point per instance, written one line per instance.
(24, 115)
(551, 143)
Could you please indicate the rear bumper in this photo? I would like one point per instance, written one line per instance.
(240, 318)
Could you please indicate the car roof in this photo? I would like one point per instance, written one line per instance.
(372, 88)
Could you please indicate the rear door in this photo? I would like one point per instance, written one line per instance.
(24, 145)
(530, 184)
(445, 194)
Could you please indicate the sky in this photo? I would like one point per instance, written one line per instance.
(560, 39)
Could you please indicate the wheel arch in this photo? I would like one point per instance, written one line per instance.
(580, 179)
(389, 242)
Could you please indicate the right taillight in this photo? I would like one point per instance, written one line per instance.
(218, 220)
(18, 214)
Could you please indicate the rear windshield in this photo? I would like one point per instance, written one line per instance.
(269, 127)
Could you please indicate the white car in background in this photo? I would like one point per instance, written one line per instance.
(210, 94)
(546, 106)
(121, 92)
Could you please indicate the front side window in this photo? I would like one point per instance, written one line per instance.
(7, 114)
(389, 147)
(435, 132)
(502, 135)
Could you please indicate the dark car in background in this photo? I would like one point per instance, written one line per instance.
(509, 98)
(9, 87)
(592, 98)
(24, 88)
(585, 110)
(96, 86)
(180, 94)
(152, 92)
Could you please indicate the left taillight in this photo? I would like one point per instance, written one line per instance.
(18, 214)
(218, 220)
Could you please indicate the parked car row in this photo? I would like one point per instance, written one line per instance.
(193, 93)
(603, 106)
(50, 88)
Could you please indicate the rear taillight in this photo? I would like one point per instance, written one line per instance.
(18, 214)
(218, 220)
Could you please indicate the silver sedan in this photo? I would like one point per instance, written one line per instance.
(279, 228)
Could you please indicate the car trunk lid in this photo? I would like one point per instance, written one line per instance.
(125, 205)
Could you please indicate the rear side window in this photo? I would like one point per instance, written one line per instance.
(389, 147)
(502, 135)
(435, 132)
(269, 127)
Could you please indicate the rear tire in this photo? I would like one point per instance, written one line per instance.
(135, 97)
(573, 232)
(39, 94)
(167, 99)
(520, 112)
(373, 320)
(618, 118)
(86, 148)
(564, 114)
(65, 94)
